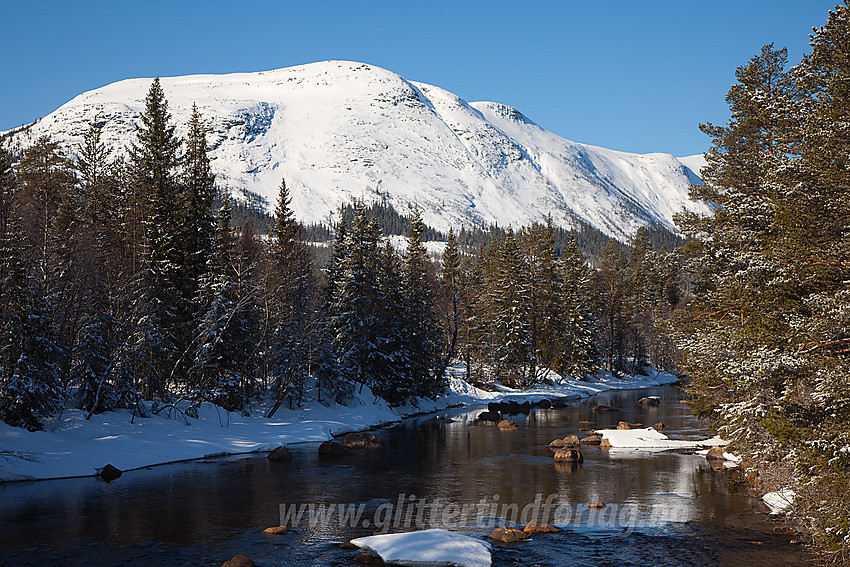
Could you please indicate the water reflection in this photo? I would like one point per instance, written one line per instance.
(210, 510)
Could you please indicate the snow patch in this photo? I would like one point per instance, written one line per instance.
(780, 501)
(428, 548)
(649, 438)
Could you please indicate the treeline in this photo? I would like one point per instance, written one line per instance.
(136, 279)
(767, 337)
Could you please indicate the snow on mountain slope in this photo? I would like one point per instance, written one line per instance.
(339, 130)
(695, 163)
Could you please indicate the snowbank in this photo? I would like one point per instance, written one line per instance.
(780, 501)
(73, 446)
(428, 548)
(651, 439)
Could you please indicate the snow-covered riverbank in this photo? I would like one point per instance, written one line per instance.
(73, 446)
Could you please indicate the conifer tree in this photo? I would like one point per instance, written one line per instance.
(160, 332)
(418, 318)
(294, 303)
(509, 294)
(452, 295)
(198, 194)
(610, 315)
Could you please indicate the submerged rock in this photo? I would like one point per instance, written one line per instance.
(281, 453)
(368, 559)
(601, 408)
(535, 527)
(490, 416)
(333, 449)
(239, 561)
(596, 505)
(276, 530)
(625, 425)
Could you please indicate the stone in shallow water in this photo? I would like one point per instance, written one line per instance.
(428, 547)
(508, 535)
(239, 561)
(535, 527)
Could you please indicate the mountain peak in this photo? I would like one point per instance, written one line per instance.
(339, 130)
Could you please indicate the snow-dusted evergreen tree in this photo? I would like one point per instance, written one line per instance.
(544, 286)
(766, 337)
(294, 303)
(418, 317)
(611, 316)
(159, 333)
(575, 324)
(451, 303)
(365, 339)
(225, 344)
(30, 390)
(510, 336)
(198, 188)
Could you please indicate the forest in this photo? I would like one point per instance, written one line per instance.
(141, 279)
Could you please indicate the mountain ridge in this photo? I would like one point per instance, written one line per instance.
(339, 130)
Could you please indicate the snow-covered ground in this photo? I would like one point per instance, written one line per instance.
(651, 439)
(73, 446)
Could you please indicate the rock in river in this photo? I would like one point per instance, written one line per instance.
(362, 440)
(508, 535)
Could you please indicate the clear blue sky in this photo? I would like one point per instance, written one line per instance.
(634, 75)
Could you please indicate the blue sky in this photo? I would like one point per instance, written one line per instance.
(637, 75)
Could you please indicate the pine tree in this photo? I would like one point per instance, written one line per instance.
(356, 306)
(610, 315)
(223, 363)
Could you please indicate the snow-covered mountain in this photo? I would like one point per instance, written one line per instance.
(339, 130)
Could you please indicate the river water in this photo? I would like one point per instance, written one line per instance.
(452, 472)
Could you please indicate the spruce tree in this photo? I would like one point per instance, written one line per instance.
(575, 329)
(294, 304)
(510, 308)
(420, 323)
(198, 188)
(160, 332)
(451, 279)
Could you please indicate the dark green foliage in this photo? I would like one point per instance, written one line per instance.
(766, 335)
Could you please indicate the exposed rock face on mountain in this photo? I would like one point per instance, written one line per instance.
(338, 130)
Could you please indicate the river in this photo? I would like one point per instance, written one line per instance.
(661, 508)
